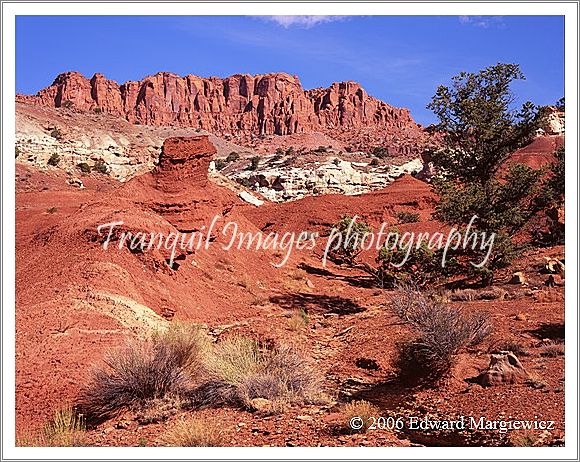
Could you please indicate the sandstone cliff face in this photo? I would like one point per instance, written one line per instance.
(244, 105)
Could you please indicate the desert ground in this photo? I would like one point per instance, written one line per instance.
(76, 302)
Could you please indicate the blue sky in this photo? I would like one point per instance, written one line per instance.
(399, 59)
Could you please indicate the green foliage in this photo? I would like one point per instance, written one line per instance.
(232, 156)
(97, 110)
(481, 129)
(407, 217)
(254, 163)
(351, 233)
(380, 151)
(561, 104)
(56, 134)
(220, 164)
(84, 167)
(481, 132)
(54, 159)
(101, 167)
(422, 267)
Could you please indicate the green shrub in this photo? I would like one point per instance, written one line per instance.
(220, 164)
(56, 133)
(350, 233)
(254, 163)
(232, 156)
(101, 167)
(84, 167)
(407, 217)
(422, 267)
(54, 159)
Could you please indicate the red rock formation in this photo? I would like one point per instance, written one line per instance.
(271, 104)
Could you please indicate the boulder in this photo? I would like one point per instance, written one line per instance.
(504, 368)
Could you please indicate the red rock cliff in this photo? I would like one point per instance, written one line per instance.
(271, 104)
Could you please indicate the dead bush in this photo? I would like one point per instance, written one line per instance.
(552, 350)
(141, 372)
(442, 329)
(470, 295)
(194, 432)
(509, 345)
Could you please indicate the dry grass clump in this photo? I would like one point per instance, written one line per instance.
(552, 350)
(141, 372)
(242, 371)
(299, 320)
(194, 432)
(66, 429)
(180, 368)
(362, 409)
(470, 295)
(442, 329)
(524, 438)
(509, 345)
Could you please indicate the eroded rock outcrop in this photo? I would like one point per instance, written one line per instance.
(240, 105)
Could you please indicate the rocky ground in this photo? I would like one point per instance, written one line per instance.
(75, 301)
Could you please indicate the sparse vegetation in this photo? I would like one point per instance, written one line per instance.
(84, 167)
(241, 371)
(552, 350)
(362, 409)
(67, 104)
(407, 217)
(54, 159)
(470, 295)
(220, 164)
(443, 331)
(65, 429)
(194, 432)
(56, 133)
(143, 371)
(351, 233)
(421, 268)
(97, 110)
(374, 162)
(232, 156)
(51, 210)
(101, 167)
(180, 367)
(299, 320)
(17, 150)
(254, 163)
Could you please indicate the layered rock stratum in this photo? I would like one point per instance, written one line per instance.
(242, 105)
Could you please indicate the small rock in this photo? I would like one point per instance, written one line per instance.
(303, 417)
(309, 283)
(521, 317)
(261, 404)
(519, 278)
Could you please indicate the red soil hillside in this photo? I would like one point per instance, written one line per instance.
(75, 299)
(539, 152)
